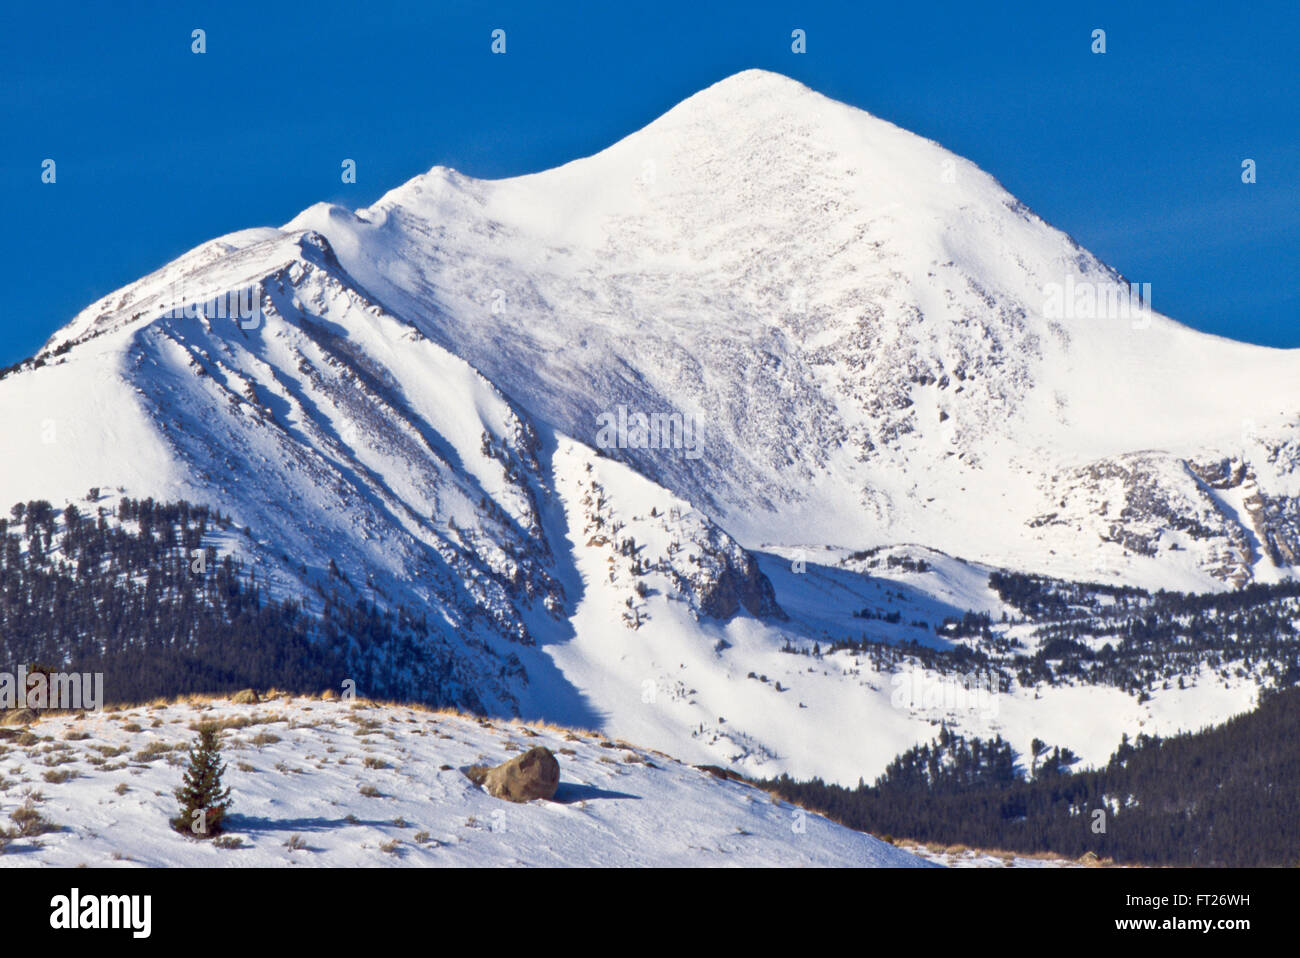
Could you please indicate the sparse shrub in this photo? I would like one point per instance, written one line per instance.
(29, 820)
(151, 752)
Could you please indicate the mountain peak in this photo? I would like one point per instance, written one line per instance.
(756, 82)
(754, 100)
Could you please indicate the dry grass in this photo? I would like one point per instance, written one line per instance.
(961, 850)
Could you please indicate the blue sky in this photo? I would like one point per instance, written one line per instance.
(1136, 153)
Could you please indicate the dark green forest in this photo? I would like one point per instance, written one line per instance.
(1135, 641)
(143, 598)
(1225, 796)
(1118, 636)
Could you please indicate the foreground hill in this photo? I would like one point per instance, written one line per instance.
(360, 784)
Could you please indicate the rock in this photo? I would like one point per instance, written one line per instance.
(717, 771)
(534, 774)
(245, 697)
(729, 580)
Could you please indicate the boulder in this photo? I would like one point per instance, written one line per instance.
(534, 774)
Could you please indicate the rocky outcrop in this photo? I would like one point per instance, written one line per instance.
(728, 584)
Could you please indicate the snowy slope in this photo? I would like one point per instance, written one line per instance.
(857, 319)
(296, 769)
(860, 319)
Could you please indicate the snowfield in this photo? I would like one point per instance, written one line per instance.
(297, 767)
(857, 318)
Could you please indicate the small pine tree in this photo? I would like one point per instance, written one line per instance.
(204, 802)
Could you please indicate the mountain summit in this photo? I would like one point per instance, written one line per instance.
(574, 429)
(873, 332)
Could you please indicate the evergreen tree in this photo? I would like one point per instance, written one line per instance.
(204, 801)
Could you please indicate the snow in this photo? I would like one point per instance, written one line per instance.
(821, 288)
(788, 266)
(617, 805)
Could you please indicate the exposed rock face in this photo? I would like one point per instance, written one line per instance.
(1274, 520)
(1153, 503)
(707, 567)
(534, 774)
(736, 583)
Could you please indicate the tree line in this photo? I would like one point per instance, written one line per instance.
(1225, 796)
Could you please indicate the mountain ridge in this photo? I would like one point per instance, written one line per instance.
(860, 330)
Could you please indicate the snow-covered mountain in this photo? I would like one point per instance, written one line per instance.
(846, 338)
(862, 321)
